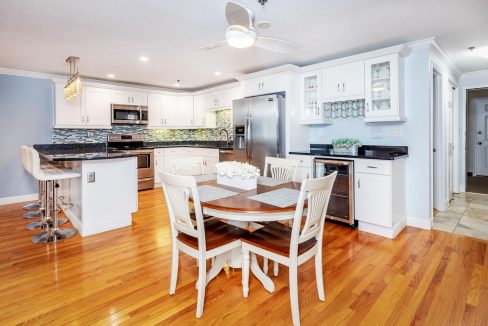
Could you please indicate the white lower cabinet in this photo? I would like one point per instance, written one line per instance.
(380, 196)
(164, 158)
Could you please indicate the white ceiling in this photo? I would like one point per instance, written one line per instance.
(110, 35)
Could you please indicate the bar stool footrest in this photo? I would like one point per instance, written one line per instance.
(41, 225)
(32, 206)
(37, 214)
(60, 234)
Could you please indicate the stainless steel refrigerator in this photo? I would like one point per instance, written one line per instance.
(259, 128)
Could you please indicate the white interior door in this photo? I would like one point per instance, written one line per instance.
(481, 146)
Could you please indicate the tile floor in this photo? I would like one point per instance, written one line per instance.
(467, 215)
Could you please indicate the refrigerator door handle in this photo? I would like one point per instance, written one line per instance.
(249, 138)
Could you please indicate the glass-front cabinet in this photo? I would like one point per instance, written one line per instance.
(312, 111)
(382, 89)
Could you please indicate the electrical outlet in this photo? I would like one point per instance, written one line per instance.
(395, 132)
(91, 177)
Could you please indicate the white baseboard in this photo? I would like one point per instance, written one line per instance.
(421, 223)
(381, 230)
(18, 199)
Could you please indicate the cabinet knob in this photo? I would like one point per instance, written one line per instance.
(87, 119)
(343, 87)
(338, 88)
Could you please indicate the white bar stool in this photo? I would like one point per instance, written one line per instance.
(51, 174)
(44, 197)
(37, 205)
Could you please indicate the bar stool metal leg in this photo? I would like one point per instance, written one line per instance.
(54, 233)
(46, 220)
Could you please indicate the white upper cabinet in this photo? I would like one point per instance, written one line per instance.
(199, 111)
(311, 105)
(129, 98)
(169, 111)
(264, 85)
(184, 111)
(218, 100)
(344, 82)
(91, 109)
(154, 107)
(97, 107)
(67, 112)
(382, 88)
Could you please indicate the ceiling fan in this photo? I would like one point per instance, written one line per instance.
(242, 34)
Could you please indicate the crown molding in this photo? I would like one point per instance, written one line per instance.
(274, 70)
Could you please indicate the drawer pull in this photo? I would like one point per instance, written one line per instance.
(372, 167)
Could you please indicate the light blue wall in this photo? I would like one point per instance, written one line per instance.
(415, 133)
(26, 117)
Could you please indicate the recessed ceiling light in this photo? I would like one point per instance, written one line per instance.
(110, 75)
(217, 73)
(143, 59)
(263, 24)
(177, 84)
(480, 52)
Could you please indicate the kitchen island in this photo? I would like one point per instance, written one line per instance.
(105, 196)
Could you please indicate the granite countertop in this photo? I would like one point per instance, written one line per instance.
(365, 152)
(193, 144)
(78, 152)
(99, 151)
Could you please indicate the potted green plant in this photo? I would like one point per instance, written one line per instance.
(347, 146)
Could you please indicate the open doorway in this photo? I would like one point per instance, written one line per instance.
(477, 141)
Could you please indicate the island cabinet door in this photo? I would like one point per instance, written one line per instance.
(373, 198)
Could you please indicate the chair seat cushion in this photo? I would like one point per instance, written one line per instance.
(217, 234)
(276, 237)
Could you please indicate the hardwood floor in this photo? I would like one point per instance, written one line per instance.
(122, 276)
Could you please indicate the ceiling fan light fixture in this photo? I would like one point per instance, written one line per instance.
(240, 37)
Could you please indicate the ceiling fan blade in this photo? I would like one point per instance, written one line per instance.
(238, 15)
(276, 45)
(210, 46)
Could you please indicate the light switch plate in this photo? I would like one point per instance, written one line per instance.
(91, 177)
(376, 133)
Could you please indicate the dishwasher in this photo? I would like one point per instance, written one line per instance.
(341, 202)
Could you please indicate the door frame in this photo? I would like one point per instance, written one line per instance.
(436, 136)
(462, 130)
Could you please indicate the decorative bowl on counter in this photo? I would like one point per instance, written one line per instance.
(237, 175)
(346, 146)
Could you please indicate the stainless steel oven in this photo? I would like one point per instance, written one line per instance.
(341, 202)
(129, 114)
(145, 168)
(134, 144)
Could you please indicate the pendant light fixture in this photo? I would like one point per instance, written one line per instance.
(75, 84)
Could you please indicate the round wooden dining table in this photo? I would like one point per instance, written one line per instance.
(241, 211)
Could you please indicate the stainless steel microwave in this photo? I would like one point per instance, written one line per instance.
(129, 114)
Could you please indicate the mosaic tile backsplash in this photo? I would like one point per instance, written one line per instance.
(223, 121)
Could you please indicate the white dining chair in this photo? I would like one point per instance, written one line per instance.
(196, 238)
(296, 245)
(187, 166)
(282, 169)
